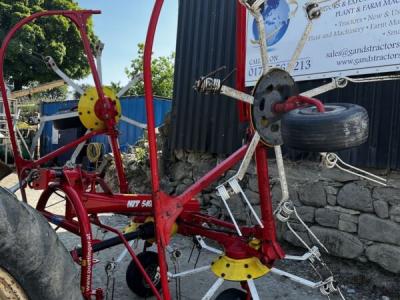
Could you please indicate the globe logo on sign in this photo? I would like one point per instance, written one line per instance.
(276, 14)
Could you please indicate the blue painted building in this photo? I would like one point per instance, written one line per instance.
(132, 107)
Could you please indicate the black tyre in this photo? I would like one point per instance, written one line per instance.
(232, 294)
(341, 127)
(135, 278)
(33, 260)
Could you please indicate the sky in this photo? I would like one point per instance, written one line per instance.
(122, 25)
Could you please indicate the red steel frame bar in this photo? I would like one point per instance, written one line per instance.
(62, 150)
(212, 176)
(134, 257)
(155, 181)
(270, 246)
(86, 239)
(19, 161)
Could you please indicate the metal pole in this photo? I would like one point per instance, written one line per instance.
(155, 181)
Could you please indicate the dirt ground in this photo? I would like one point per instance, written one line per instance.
(358, 281)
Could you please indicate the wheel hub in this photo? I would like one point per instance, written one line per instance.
(274, 87)
(10, 288)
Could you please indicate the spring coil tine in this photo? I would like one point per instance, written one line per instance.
(298, 237)
(331, 160)
(225, 196)
(237, 189)
(309, 230)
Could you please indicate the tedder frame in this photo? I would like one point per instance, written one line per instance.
(171, 214)
(79, 186)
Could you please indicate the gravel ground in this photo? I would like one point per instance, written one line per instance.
(358, 281)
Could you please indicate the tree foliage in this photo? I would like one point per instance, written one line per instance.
(56, 94)
(163, 74)
(54, 36)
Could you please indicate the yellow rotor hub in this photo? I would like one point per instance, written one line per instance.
(133, 226)
(238, 269)
(87, 104)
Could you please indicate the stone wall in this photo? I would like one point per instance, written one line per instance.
(353, 218)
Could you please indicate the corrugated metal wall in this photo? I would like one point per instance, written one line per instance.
(132, 107)
(205, 42)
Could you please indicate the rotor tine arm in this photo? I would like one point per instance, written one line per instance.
(52, 64)
(282, 174)
(339, 82)
(235, 94)
(313, 11)
(248, 156)
(253, 290)
(262, 40)
(342, 82)
(98, 51)
(296, 278)
(256, 7)
(133, 122)
(300, 47)
(208, 85)
(213, 289)
(373, 78)
(131, 83)
(203, 245)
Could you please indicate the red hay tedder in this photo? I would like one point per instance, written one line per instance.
(35, 265)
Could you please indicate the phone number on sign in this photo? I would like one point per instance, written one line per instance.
(301, 65)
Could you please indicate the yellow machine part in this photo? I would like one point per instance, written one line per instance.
(255, 244)
(134, 226)
(87, 104)
(94, 151)
(238, 269)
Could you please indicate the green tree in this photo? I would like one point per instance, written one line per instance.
(163, 74)
(56, 94)
(54, 36)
